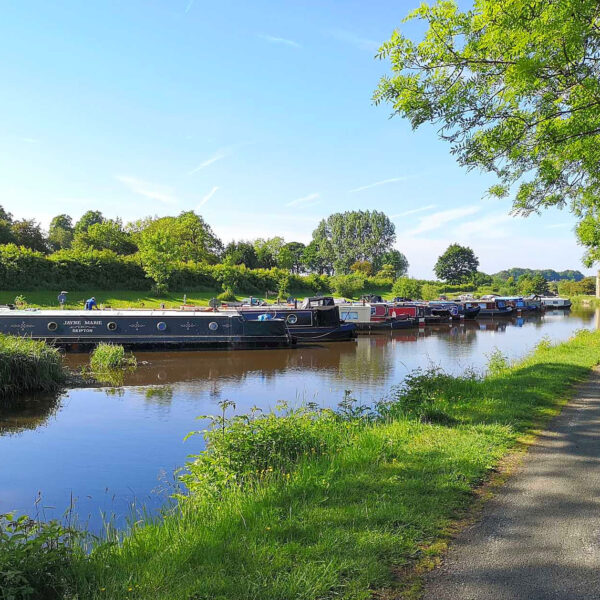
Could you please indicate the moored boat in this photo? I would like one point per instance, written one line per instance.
(490, 307)
(316, 319)
(555, 302)
(371, 318)
(145, 329)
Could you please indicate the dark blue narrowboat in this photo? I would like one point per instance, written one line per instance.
(317, 319)
(147, 329)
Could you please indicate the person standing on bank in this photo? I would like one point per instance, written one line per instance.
(62, 299)
(91, 304)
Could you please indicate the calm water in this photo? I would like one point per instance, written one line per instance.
(108, 449)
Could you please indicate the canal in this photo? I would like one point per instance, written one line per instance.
(111, 452)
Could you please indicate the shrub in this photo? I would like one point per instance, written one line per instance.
(429, 291)
(405, 287)
(227, 296)
(348, 285)
(35, 559)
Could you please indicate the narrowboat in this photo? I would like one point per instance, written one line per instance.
(555, 302)
(371, 318)
(316, 319)
(147, 329)
(490, 307)
(453, 310)
(520, 304)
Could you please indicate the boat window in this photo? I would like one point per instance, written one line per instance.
(112, 326)
(292, 319)
(350, 316)
(213, 326)
(161, 326)
(52, 326)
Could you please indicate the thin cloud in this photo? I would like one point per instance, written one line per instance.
(30, 140)
(355, 40)
(436, 220)
(487, 227)
(279, 40)
(188, 7)
(304, 200)
(148, 190)
(414, 211)
(208, 196)
(218, 155)
(377, 183)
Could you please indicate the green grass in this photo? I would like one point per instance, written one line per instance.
(110, 356)
(29, 366)
(585, 301)
(321, 506)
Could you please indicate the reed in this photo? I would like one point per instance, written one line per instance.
(108, 357)
(29, 366)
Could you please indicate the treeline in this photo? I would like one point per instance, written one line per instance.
(183, 252)
(547, 274)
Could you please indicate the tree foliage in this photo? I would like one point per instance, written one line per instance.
(91, 217)
(344, 238)
(406, 287)
(515, 87)
(28, 233)
(458, 264)
(60, 233)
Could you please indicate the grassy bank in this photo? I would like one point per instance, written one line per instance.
(28, 366)
(313, 504)
(583, 301)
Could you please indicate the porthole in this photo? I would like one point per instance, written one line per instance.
(112, 326)
(162, 326)
(292, 319)
(213, 326)
(52, 326)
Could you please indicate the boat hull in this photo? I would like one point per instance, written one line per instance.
(382, 326)
(155, 329)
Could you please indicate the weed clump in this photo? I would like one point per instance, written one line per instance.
(110, 356)
(28, 366)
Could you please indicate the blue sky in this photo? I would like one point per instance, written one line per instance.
(257, 115)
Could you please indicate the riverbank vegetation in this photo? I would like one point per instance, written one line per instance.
(29, 366)
(110, 356)
(311, 503)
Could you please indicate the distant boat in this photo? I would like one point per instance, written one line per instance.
(490, 307)
(371, 318)
(555, 302)
(79, 329)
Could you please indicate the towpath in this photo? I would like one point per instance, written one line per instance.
(539, 537)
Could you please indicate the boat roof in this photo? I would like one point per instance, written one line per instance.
(107, 313)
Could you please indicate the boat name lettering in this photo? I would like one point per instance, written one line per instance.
(91, 323)
(82, 330)
(72, 323)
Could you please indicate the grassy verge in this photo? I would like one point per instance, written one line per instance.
(28, 366)
(314, 504)
(585, 301)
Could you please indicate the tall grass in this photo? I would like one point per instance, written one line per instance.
(106, 357)
(28, 366)
(315, 504)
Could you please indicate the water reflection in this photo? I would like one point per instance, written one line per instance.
(112, 446)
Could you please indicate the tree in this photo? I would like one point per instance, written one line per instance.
(515, 88)
(387, 272)
(344, 238)
(535, 284)
(108, 235)
(6, 234)
(397, 260)
(458, 264)
(406, 287)
(28, 233)
(364, 267)
(429, 291)
(267, 251)
(60, 233)
(91, 217)
(317, 257)
(240, 253)
(295, 251)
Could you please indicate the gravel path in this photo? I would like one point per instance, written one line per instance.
(539, 537)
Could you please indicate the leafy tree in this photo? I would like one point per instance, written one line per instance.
(515, 88)
(240, 253)
(387, 272)
(397, 260)
(458, 264)
(317, 257)
(480, 278)
(91, 217)
(344, 238)
(535, 284)
(295, 251)
(362, 266)
(108, 235)
(348, 286)
(60, 233)
(6, 234)
(267, 251)
(28, 233)
(406, 287)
